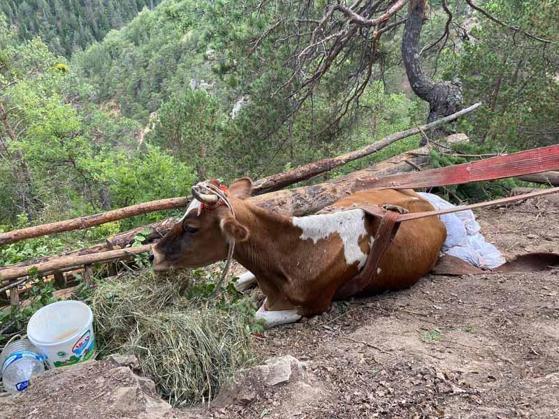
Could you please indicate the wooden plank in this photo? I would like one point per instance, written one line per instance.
(517, 164)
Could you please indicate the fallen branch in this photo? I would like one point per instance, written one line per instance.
(268, 184)
(281, 180)
(548, 178)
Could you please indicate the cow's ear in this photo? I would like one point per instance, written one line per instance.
(241, 188)
(233, 229)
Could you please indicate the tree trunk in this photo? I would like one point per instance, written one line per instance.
(444, 97)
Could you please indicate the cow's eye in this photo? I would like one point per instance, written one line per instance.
(189, 229)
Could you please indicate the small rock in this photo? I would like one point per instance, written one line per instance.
(124, 360)
(459, 138)
(123, 398)
(247, 397)
(279, 370)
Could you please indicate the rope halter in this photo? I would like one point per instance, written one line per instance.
(211, 195)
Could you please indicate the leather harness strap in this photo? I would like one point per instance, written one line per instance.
(390, 223)
(384, 235)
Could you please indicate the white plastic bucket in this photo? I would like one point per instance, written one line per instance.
(63, 332)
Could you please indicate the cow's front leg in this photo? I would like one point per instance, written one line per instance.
(273, 318)
(245, 281)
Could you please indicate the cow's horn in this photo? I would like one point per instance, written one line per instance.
(202, 197)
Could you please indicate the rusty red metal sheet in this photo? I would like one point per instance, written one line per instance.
(527, 162)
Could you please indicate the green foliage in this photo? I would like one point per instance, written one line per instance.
(431, 336)
(515, 76)
(196, 66)
(16, 318)
(69, 25)
(189, 128)
(62, 155)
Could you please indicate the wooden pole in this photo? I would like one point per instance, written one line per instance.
(267, 184)
(91, 220)
(65, 262)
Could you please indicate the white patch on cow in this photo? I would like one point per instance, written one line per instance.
(245, 281)
(349, 225)
(276, 318)
(194, 205)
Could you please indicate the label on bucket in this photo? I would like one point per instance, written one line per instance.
(82, 350)
(16, 356)
(22, 385)
(81, 344)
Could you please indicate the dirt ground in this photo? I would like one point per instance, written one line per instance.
(482, 346)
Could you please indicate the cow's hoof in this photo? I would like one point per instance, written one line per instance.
(277, 318)
(245, 281)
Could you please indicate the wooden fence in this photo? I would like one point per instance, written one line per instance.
(267, 193)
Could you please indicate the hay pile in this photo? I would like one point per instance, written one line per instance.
(187, 340)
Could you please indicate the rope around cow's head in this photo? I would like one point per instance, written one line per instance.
(211, 195)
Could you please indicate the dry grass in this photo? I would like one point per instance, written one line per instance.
(186, 340)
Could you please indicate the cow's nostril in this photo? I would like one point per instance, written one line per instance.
(151, 257)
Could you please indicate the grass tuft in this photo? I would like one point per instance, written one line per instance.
(187, 340)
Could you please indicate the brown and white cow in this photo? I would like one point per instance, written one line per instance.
(301, 263)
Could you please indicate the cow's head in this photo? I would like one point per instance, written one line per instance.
(202, 236)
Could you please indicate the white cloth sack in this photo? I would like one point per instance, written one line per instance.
(463, 237)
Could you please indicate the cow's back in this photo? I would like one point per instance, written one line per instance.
(416, 247)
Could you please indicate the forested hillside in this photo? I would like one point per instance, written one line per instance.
(184, 67)
(60, 153)
(69, 25)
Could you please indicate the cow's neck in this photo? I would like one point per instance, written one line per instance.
(264, 226)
